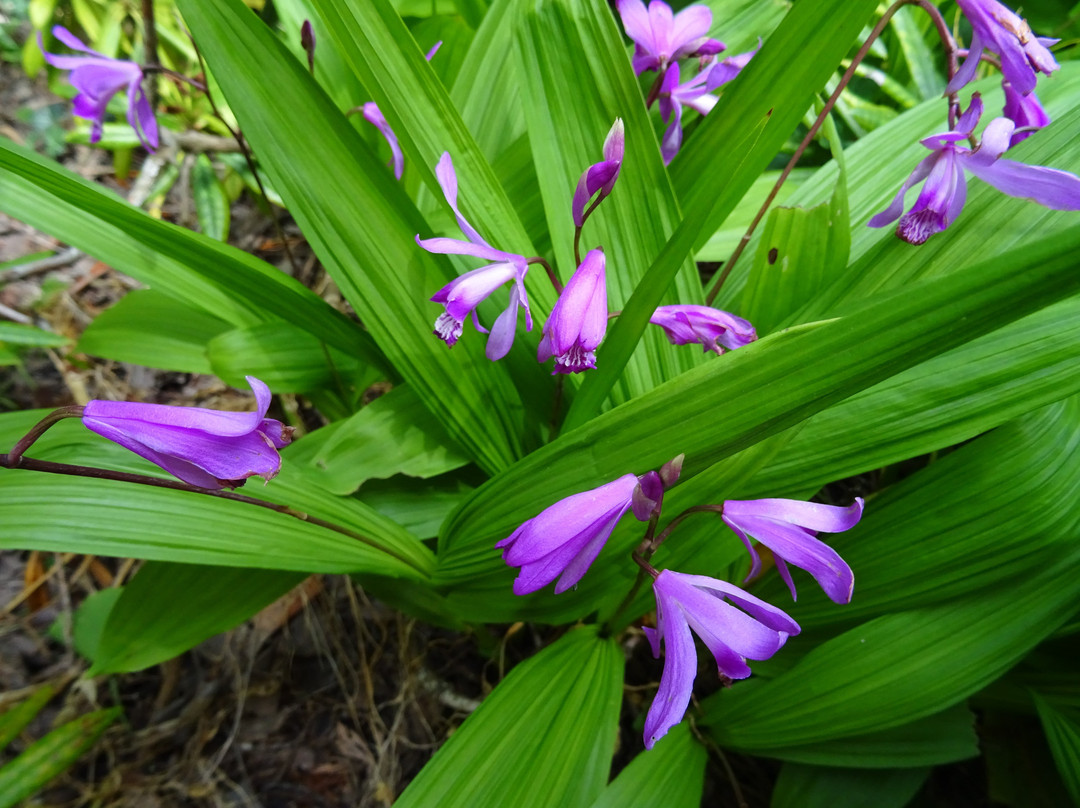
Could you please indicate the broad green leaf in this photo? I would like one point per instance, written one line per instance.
(15, 719)
(947, 400)
(801, 786)
(944, 737)
(671, 774)
(419, 506)
(1063, 735)
(29, 335)
(901, 666)
(211, 204)
(541, 738)
(727, 152)
(149, 328)
(389, 436)
(922, 63)
(168, 608)
(222, 281)
(777, 382)
(105, 517)
(360, 222)
(739, 23)
(801, 251)
(567, 43)
(51, 756)
(287, 358)
(88, 625)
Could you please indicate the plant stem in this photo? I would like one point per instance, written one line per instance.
(537, 259)
(14, 458)
(654, 91)
(674, 523)
(150, 46)
(950, 46)
(584, 218)
(30, 464)
(149, 68)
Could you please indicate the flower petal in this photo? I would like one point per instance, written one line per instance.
(374, 116)
(677, 680)
(1054, 189)
(810, 515)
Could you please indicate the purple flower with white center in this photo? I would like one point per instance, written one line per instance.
(463, 294)
(373, 115)
(788, 527)
(205, 448)
(661, 38)
(98, 78)
(685, 602)
(712, 328)
(997, 29)
(564, 540)
(578, 320)
(696, 94)
(1024, 111)
(600, 177)
(945, 190)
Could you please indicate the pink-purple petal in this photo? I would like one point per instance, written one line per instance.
(1051, 188)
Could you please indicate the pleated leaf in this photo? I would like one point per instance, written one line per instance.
(1063, 735)
(545, 735)
(802, 786)
(671, 774)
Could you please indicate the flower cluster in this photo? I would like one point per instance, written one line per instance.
(578, 321)
(1021, 55)
(660, 40)
(565, 539)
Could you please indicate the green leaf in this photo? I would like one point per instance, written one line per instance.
(901, 666)
(575, 43)
(541, 738)
(104, 517)
(1063, 735)
(168, 608)
(671, 774)
(777, 382)
(802, 786)
(211, 203)
(753, 118)
(389, 436)
(15, 719)
(19, 334)
(800, 252)
(51, 756)
(88, 625)
(222, 281)
(360, 222)
(149, 328)
(287, 358)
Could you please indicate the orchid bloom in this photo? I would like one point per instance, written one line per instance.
(205, 448)
(685, 602)
(997, 29)
(788, 527)
(98, 78)
(463, 294)
(1024, 111)
(660, 38)
(564, 539)
(600, 177)
(578, 319)
(695, 93)
(945, 190)
(712, 328)
(373, 115)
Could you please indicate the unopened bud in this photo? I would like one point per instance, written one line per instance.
(670, 471)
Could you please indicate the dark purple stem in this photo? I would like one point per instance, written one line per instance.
(149, 68)
(536, 259)
(943, 31)
(654, 91)
(150, 46)
(674, 523)
(577, 232)
(15, 457)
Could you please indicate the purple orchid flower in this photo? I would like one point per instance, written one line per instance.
(578, 320)
(788, 527)
(945, 190)
(712, 328)
(205, 448)
(373, 115)
(695, 93)
(661, 38)
(997, 29)
(685, 602)
(564, 540)
(1024, 111)
(600, 177)
(463, 294)
(98, 78)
